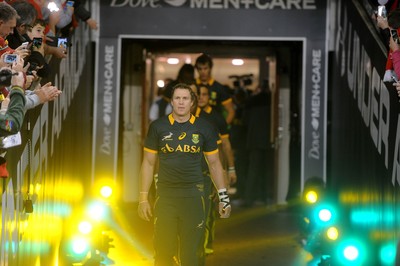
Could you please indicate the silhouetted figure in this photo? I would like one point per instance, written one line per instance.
(260, 181)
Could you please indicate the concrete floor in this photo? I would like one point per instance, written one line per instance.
(256, 236)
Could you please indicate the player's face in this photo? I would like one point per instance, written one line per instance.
(204, 72)
(203, 98)
(181, 102)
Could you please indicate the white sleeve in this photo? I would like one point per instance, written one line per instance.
(168, 109)
(32, 100)
(153, 113)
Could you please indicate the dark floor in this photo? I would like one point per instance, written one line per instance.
(256, 236)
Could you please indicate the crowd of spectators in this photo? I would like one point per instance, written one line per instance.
(31, 33)
(387, 16)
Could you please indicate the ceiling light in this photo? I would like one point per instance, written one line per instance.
(237, 62)
(173, 61)
(160, 83)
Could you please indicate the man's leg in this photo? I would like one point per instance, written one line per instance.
(191, 230)
(210, 223)
(165, 231)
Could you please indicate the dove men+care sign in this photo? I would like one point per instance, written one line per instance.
(247, 20)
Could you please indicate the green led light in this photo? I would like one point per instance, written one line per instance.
(388, 254)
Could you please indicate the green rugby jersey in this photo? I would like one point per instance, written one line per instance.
(216, 119)
(180, 148)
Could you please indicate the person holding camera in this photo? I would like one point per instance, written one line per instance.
(36, 59)
(8, 23)
(12, 118)
(26, 16)
(180, 141)
(36, 94)
(393, 22)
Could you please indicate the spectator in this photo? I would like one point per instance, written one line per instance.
(393, 23)
(36, 59)
(11, 119)
(80, 13)
(386, 24)
(26, 16)
(8, 20)
(39, 94)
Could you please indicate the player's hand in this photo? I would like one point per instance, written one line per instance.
(144, 210)
(224, 205)
(224, 212)
(232, 177)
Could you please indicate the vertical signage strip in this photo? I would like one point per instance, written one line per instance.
(314, 112)
(106, 112)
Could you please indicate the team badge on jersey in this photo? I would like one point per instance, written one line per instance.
(167, 137)
(195, 138)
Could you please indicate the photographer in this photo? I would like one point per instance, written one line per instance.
(36, 59)
(11, 120)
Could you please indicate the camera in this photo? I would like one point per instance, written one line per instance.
(395, 35)
(24, 45)
(62, 42)
(382, 11)
(59, 42)
(5, 77)
(37, 42)
(10, 58)
(32, 67)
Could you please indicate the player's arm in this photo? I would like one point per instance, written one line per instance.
(228, 154)
(145, 180)
(228, 105)
(217, 175)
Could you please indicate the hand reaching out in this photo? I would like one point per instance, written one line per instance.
(47, 92)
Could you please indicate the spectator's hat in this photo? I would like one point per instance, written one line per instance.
(4, 46)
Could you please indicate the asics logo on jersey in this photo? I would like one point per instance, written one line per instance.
(182, 136)
(167, 137)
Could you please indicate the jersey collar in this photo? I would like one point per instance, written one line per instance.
(210, 82)
(172, 120)
(206, 109)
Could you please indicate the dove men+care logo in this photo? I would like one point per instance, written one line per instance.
(220, 4)
(314, 151)
(108, 98)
